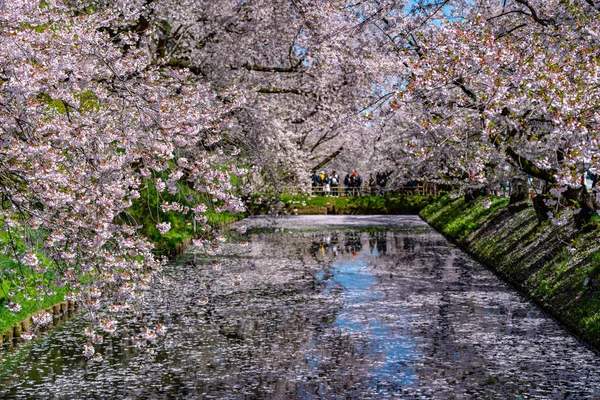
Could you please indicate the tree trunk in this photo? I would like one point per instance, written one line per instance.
(327, 159)
(581, 199)
(519, 190)
(541, 209)
(472, 194)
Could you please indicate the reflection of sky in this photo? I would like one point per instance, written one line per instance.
(392, 351)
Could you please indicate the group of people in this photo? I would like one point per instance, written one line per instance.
(329, 185)
(377, 183)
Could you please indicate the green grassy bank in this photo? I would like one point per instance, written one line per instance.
(35, 299)
(557, 267)
(146, 212)
(389, 204)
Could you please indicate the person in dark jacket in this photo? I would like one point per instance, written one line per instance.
(347, 184)
(372, 185)
(316, 182)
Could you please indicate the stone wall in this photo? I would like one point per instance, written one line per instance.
(60, 312)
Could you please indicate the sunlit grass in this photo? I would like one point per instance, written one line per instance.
(458, 218)
(389, 204)
(28, 305)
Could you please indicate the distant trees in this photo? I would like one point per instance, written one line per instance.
(299, 65)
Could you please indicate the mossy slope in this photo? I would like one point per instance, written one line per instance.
(558, 267)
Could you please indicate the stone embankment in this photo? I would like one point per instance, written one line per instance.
(558, 267)
(60, 313)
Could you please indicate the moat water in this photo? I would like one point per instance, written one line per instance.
(323, 307)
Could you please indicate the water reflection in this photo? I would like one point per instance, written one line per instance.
(327, 308)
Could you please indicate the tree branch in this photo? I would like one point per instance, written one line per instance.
(260, 68)
(593, 5)
(328, 159)
(177, 63)
(530, 168)
(536, 18)
(460, 82)
(284, 91)
(508, 32)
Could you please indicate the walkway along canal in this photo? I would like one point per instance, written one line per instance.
(322, 307)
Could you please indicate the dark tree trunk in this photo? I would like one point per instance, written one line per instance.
(519, 190)
(327, 159)
(541, 209)
(582, 200)
(472, 194)
(518, 195)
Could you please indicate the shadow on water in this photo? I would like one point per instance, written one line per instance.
(321, 307)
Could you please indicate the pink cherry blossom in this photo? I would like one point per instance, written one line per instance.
(163, 227)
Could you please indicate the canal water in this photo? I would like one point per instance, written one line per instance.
(323, 307)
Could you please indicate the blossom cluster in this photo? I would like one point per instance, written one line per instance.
(91, 119)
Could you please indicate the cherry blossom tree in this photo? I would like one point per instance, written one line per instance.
(88, 120)
(495, 85)
(299, 64)
(105, 101)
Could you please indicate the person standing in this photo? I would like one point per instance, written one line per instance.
(326, 185)
(335, 182)
(347, 184)
(316, 181)
(358, 181)
(372, 185)
(322, 180)
(381, 178)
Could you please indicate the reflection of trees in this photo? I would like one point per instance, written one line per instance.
(447, 356)
(382, 242)
(342, 364)
(372, 241)
(327, 245)
(409, 244)
(281, 333)
(270, 330)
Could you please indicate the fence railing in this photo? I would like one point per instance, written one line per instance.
(363, 190)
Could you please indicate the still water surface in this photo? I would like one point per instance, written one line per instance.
(321, 308)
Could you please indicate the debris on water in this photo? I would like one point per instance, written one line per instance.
(345, 307)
